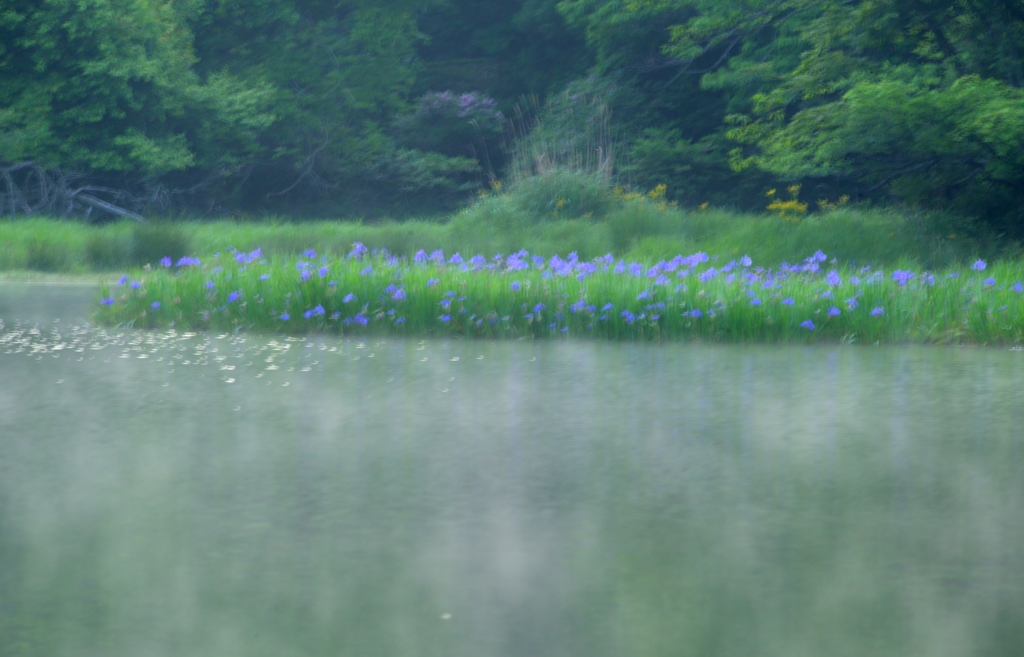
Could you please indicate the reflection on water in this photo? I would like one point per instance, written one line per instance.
(184, 494)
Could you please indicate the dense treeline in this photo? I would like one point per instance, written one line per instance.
(331, 107)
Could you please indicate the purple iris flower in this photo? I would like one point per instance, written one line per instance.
(367, 271)
(878, 312)
(349, 298)
(852, 303)
(608, 307)
(819, 256)
(695, 313)
(788, 301)
(155, 305)
(1019, 287)
(284, 317)
(188, 261)
(264, 277)
(107, 302)
(358, 250)
(746, 261)
(122, 280)
(516, 286)
(706, 276)
(643, 295)
(539, 308)
(902, 277)
(432, 282)
(165, 262)
(834, 312)
(755, 302)
(361, 319)
(399, 294)
(809, 325)
(833, 278)
(209, 285)
(989, 282)
(455, 260)
(234, 296)
(135, 285)
(323, 271)
(310, 253)
(445, 318)
(420, 257)
(979, 265)
(628, 316)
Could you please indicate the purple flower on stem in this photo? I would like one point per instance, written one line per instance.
(122, 280)
(358, 250)
(833, 312)
(349, 298)
(878, 312)
(135, 285)
(902, 277)
(1019, 287)
(809, 325)
(264, 277)
(399, 294)
(165, 261)
(539, 308)
(188, 262)
(107, 302)
(643, 295)
(745, 261)
(516, 286)
(314, 312)
(788, 301)
(323, 271)
(309, 254)
(628, 316)
(432, 282)
(755, 302)
(989, 282)
(695, 313)
(852, 303)
(819, 256)
(833, 278)
(304, 275)
(284, 317)
(367, 271)
(155, 305)
(234, 296)
(979, 265)
(209, 285)
(445, 318)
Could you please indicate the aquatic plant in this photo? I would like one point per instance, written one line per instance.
(525, 295)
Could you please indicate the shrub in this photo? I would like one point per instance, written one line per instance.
(154, 240)
(107, 250)
(562, 193)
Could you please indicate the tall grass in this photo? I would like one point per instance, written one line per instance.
(639, 228)
(693, 298)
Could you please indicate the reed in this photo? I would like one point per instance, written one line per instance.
(526, 296)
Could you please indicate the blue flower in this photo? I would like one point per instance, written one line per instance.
(234, 296)
(455, 260)
(745, 261)
(878, 312)
(400, 320)
(155, 305)
(989, 282)
(304, 275)
(819, 256)
(361, 319)
(358, 250)
(323, 271)
(809, 325)
(445, 318)
(979, 265)
(122, 280)
(165, 262)
(188, 262)
(284, 317)
(1019, 287)
(314, 312)
(135, 285)
(852, 303)
(309, 254)
(788, 301)
(209, 285)
(264, 277)
(834, 312)
(539, 308)
(755, 302)
(399, 295)
(367, 271)
(107, 302)
(628, 316)
(833, 278)
(643, 295)
(695, 313)
(432, 282)
(901, 277)
(516, 286)
(349, 298)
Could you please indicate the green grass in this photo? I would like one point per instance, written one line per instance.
(637, 229)
(486, 303)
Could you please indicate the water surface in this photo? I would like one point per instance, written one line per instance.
(167, 493)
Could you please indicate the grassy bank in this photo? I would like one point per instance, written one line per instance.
(524, 296)
(637, 229)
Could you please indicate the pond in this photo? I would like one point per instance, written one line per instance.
(167, 493)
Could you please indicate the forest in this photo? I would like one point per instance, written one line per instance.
(413, 108)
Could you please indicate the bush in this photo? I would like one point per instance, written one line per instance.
(153, 241)
(45, 254)
(107, 250)
(564, 194)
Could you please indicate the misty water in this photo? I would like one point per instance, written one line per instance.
(167, 493)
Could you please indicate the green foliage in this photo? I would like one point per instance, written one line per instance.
(150, 242)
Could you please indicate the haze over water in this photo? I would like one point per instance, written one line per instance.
(165, 493)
